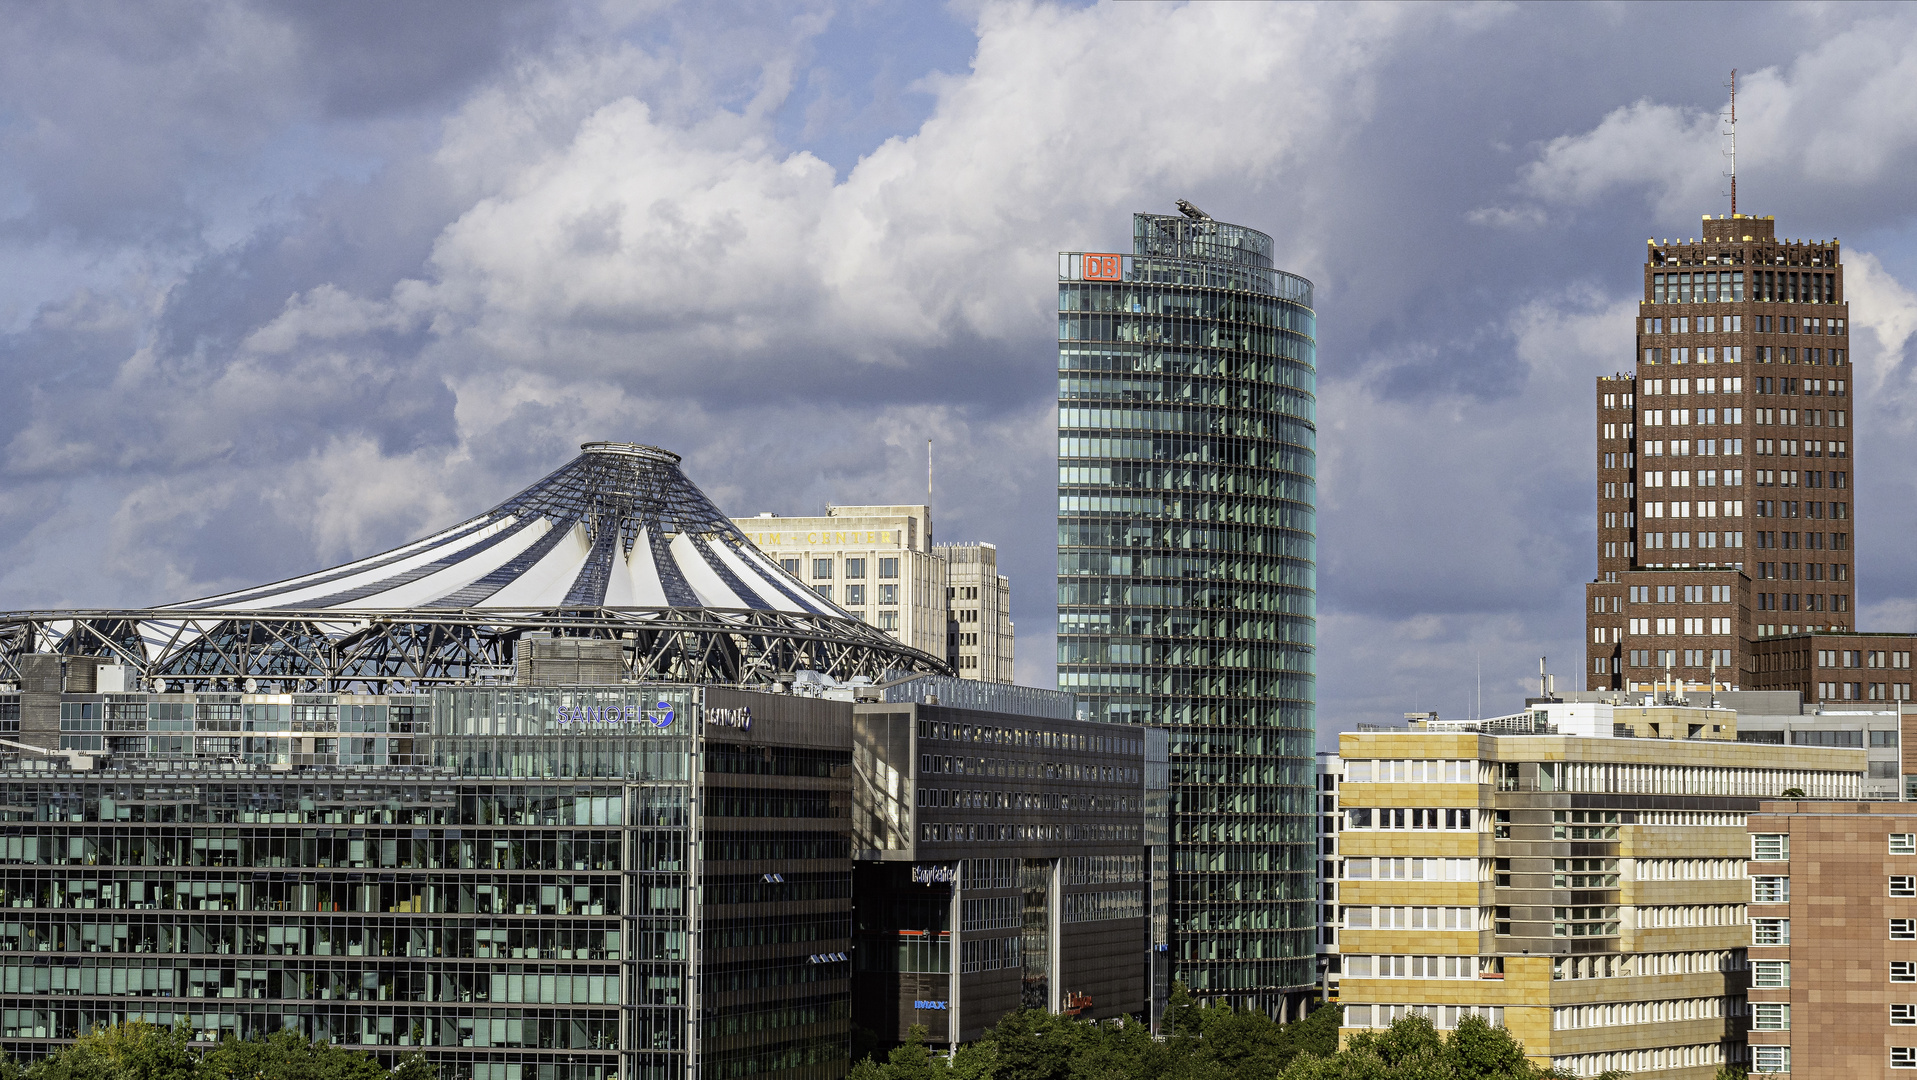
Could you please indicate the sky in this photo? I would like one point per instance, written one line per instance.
(286, 284)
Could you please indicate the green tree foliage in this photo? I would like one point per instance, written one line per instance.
(138, 1051)
(1214, 1042)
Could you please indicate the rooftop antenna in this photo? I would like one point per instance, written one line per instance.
(1543, 690)
(1733, 136)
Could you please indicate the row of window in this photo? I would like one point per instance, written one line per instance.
(1631, 1061)
(962, 799)
(1663, 658)
(1800, 448)
(1399, 966)
(1763, 324)
(1414, 771)
(1664, 627)
(1416, 918)
(1727, 286)
(1685, 417)
(1799, 417)
(1442, 1017)
(1447, 818)
(855, 567)
(1615, 967)
(1775, 384)
(1867, 658)
(1776, 888)
(1704, 509)
(1837, 511)
(1036, 738)
(1659, 387)
(1689, 915)
(1666, 1011)
(1876, 691)
(1680, 541)
(962, 765)
(958, 832)
(1393, 869)
(1803, 602)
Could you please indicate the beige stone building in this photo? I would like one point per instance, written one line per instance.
(978, 638)
(879, 563)
(876, 562)
(1587, 892)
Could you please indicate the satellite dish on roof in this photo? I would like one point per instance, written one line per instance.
(159, 686)
(251, 686)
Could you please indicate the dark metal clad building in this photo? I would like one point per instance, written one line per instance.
(1186, 563)
(651, 881)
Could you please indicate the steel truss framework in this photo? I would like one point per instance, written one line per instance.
(367, 651)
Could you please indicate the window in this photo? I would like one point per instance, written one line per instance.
(889, 568)
(1903, 885)
(824, 591)
(888, 594)
(1903, 929)
(1769, 1017)
(1903, 843)
(790, 566)
(888, 620)
(1770, 974)
(821, 569)
(855, 568)
(1771, 1059)
(1770, 931)
(1774, 890)
(1903, 1015)
(1883, 738)
(854, 594)
(1903, 971)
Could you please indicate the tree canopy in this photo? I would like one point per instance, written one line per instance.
(1214, 1042)
(137, 1051)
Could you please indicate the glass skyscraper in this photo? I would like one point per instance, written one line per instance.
(1187, 571)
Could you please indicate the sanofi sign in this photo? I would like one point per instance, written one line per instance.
(659, 715)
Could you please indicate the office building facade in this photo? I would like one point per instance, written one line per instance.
(1833, 942)
(979, 636)
(1725, 478)
(585, 882)
(1587, 892)
(1860, 671)
(1186, 562)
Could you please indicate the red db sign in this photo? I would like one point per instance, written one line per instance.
(1103, 268)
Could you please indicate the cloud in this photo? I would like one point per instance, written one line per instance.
(286, 287)
(1837, 120)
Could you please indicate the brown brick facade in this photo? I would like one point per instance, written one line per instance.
(1724, 462)
(1833, 964)
(1834, 668)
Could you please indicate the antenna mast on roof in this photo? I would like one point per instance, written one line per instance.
(1733, 136)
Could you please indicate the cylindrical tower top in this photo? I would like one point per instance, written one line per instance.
(1183, 236)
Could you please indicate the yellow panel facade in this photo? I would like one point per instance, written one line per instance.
(1589, 893)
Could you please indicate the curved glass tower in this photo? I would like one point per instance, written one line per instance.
(1187, 572)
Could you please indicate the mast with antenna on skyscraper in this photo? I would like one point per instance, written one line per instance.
(1732, 154)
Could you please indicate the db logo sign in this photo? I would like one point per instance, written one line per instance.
(1103, 268)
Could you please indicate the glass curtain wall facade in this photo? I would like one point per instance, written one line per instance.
(1187, 562)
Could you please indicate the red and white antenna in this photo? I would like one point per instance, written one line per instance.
(1732, 132)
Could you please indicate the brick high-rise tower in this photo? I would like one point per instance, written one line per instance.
(1724, 485)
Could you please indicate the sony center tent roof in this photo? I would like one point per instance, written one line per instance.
(616, 544)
